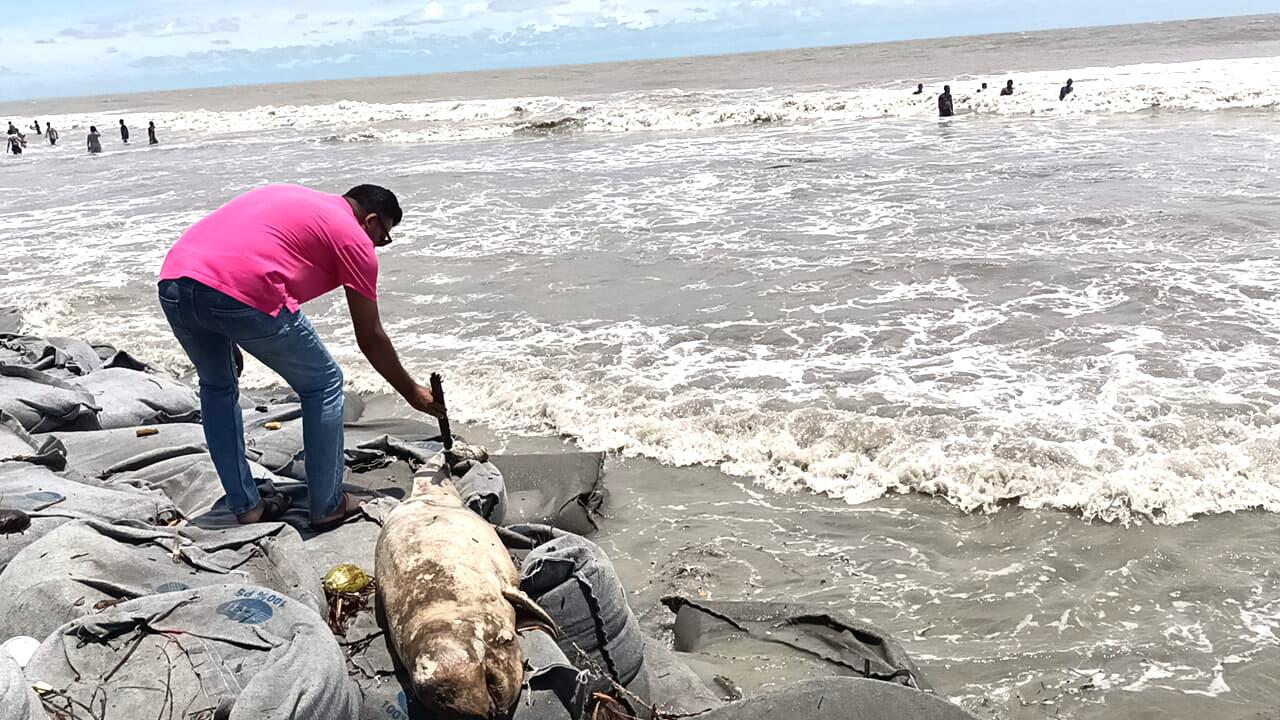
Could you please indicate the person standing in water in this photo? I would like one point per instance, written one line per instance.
(52, 134)
(945, 107)
(36, 125)
(919, 89)
(239, 277)
(13, 129)
(14, 144)
(1066, 90)
(151, 133)
(1008, 89)
(95, 142)
(124, 132)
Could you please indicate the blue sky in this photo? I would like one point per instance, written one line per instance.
(77, 47)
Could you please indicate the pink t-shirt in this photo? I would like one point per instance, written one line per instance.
(277, 247)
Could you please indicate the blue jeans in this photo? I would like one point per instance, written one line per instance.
(208, 324)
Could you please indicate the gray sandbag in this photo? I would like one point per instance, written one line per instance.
(51, 500)
(43, 403)
(280, 449)
(129, 398)
(239, 652)
(553, 688)
(382, 450)
(275, 433)
(676, 690)
(17, 700)
(371, 663)
(564, 490)
(351, 542)
(113, 358)
(841, 699)
(42, 493)
(483, 489)
(191, 482)
(69, 572)
(16, 444)
(573, 580)
(100, 453)
(803, 640)
(57, 356)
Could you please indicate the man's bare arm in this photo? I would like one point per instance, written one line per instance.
(376, 346)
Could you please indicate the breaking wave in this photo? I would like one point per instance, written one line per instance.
(1201, 86)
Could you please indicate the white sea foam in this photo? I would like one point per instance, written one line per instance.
(1075, 314)
(1203, 86)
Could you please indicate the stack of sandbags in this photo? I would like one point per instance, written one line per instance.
(64, 383)
(50, 500)
(129, 398)
(58, 356)
(83, 566)
(573, 580)
(239, 652)
(43, 403)
(18, 445)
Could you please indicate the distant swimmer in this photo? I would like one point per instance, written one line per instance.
(124, 132)
(1008, 89)
(945, 108)
(95, 143)
(984, 87)
(151, 133)
(919, 89)
(52, 134)
(1066, 90)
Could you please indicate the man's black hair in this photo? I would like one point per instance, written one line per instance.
(377, 200)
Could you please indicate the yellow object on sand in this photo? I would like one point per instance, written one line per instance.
(346, 578)
(273, 425)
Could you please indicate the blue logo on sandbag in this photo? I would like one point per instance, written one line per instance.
(43, 496)
(397, 713)
(246, 611)
(172, 587)
(41, 499)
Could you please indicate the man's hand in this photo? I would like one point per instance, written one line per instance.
(420, 399)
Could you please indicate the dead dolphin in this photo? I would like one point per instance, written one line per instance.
(450, 594)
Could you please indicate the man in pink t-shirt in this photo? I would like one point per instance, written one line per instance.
(239, 278)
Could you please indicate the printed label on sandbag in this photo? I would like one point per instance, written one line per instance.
(399, 710)
(253, 607)
(40, 497)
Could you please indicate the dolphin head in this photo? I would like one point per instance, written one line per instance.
(461, 676)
